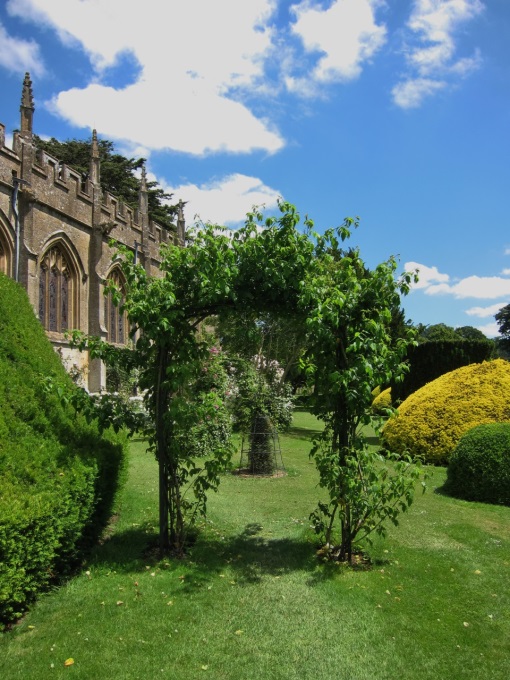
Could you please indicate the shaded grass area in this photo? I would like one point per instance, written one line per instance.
(252, 601)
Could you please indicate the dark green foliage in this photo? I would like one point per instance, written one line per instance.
(429, 360)
(503, 343)
(503, 321)
(117, 174)
(470, 333)
(58, 477)
(479, 469)
(207, 420)
(255, 390)
(437, 332)
(261, 455)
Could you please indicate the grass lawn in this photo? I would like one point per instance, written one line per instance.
(252, 601)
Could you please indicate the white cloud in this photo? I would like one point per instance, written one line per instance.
(431, 48)
(19, 55)
(484, 312)
(410, 94)
(195, 61)
(507, 251)
(225, 201)
(491, 330)
(346, 34)
(427, 275)
(505, 272)
(482, 287)
(198, 122)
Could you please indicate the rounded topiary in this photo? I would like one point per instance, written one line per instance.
(382, 402)
(431, 421)
(479, 468)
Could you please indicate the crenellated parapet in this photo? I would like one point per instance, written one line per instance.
(54, 186)
(55, 229)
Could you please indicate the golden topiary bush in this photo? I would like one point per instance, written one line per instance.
(431, 421)
(382, 401)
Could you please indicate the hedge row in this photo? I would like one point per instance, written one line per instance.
(58, 477)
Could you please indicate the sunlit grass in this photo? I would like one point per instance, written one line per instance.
(252, 601)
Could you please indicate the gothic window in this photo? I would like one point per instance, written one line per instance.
(115, 321)
(57, 291)
(5, 257)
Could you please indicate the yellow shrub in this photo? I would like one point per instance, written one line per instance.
(382, 401)
(432, 420)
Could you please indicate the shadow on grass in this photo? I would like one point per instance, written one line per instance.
(251, 556)
(124, 551)
(301, 433)
(248, 556)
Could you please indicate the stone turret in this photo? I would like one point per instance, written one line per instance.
(27, 109)
(143, 195)
(143, 212)
(96, 324)
(181, 225)
(95, 163)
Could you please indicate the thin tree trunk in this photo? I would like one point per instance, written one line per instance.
(161, 397)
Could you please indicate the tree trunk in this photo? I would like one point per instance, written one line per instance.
(162, 401)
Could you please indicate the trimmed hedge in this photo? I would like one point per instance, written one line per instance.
(479, 469)
(431, 421)
(58, 477)
(382, 401)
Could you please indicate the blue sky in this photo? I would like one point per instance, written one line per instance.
(394, 110)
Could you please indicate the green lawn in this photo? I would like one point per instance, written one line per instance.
(253, 602)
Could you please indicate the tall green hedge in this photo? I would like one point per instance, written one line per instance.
(58, 476)
(429, 360)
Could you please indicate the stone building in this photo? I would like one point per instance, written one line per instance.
(55, 226)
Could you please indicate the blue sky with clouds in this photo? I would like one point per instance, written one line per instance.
(394, 110)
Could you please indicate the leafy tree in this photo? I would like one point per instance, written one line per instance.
(253, 391)
(269, 337)
(350, 351)
(503, 321)
(117, 174)
(470, 333)
(438, 331)
(503, 342)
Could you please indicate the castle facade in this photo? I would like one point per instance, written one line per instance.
(55, 226)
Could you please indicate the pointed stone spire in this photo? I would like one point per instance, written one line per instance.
(143, 196)
(95, 163)
(27, 107)
(181, 224)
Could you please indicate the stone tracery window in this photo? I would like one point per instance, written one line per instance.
(5, 257)
(116, 321)
(57, 292)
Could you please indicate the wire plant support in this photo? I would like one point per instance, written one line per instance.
(261, 453)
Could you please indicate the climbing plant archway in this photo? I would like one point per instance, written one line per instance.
(269, 264)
